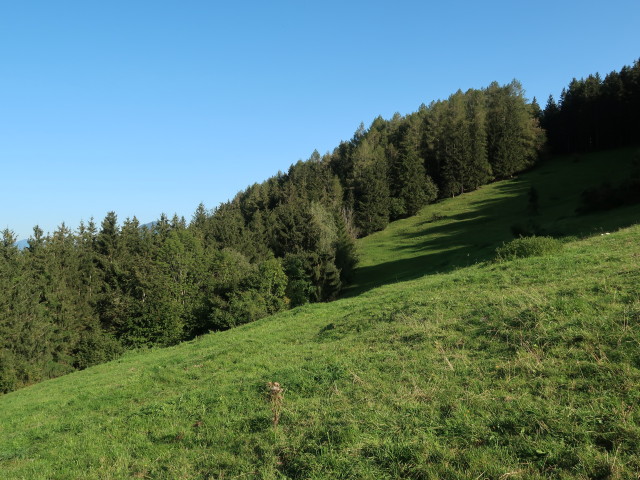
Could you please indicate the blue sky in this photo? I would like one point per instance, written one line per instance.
(144, 107)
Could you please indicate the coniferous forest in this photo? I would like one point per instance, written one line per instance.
(73, 299)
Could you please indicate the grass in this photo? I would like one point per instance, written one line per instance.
(461, 231)
(528, 247)
(522, 369)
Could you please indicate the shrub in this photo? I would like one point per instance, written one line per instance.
(8, 377)
(607, 197)
(96, 347)
(528, 229)
(528, 247)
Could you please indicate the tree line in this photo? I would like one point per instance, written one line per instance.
(73, 299)
(595, 113)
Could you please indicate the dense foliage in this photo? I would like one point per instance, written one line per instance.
(447, 148)
(595, 113)
(75, 299)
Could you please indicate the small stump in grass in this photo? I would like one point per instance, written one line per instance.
(276, 396)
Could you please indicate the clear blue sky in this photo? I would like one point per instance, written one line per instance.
(145, 107)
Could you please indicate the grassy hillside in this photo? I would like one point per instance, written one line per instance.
(464, 230)
(521, 369)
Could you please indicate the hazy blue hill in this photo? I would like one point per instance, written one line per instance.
(22, 244)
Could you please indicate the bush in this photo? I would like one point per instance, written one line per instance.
(607, 197)
(528, 247)
(528, 229)
(96, 347)
(8, 377)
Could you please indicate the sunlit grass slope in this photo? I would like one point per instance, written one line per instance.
(461, 231)
(522, 369)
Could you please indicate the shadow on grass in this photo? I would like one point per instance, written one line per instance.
(448, 242)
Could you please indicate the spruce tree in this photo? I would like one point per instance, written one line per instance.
(514, 137)
(455, 146)
(477, 167)
(371, 188)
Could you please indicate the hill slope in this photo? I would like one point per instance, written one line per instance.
(460, 231)
(521, 369)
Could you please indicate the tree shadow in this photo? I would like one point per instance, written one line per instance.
(448, 241)
(462, 239)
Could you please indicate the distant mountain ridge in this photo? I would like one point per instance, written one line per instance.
(22, 244)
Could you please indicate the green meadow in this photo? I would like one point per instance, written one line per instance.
(440, 363)
(467, 229)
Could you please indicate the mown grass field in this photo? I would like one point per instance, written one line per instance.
(519, 369)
